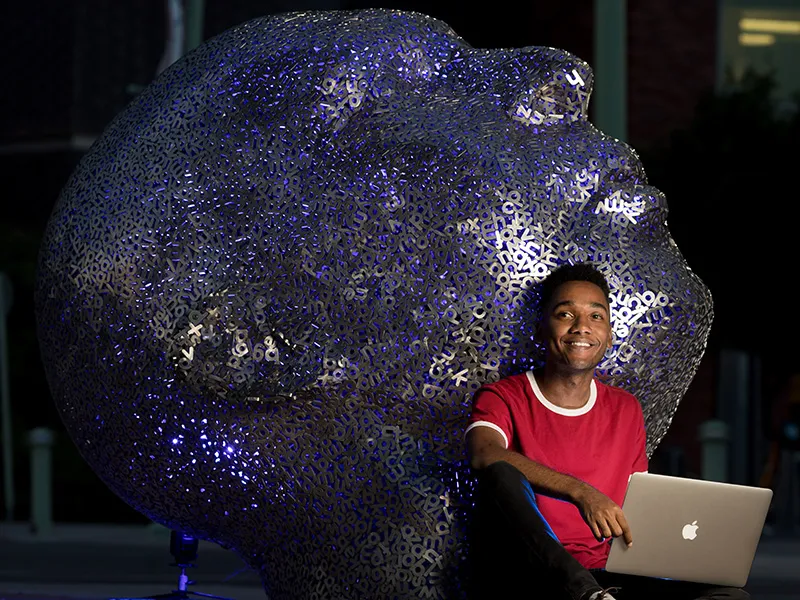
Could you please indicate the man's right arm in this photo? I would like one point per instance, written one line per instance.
(604, 517)
(486, 446)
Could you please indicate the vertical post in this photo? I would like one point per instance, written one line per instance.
(6, 292)
(758, 443)
(40, 441)
(610, 94)
(175, 45)
(787, 494)
(713, 435)
(195, 19)
(795, 492)
(734, 390)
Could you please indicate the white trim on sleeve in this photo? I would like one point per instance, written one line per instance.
(491, 426)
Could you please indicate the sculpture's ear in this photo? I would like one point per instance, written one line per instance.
(250, 342)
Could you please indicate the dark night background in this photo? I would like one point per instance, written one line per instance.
(725, 156)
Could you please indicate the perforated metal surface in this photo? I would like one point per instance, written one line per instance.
(269, 291)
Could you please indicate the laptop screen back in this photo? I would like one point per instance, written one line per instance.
(690, 530)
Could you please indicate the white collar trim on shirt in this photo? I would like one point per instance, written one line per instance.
(567, 412)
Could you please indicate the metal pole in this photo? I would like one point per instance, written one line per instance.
(734, 389)
(195, 13)
(758, 444)
(714, 436)
(610, 94)
(176, 37)
(6, 296)
(40, 441)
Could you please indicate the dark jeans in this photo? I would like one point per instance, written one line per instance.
(512, 548)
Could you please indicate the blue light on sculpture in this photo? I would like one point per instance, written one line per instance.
(269, 290)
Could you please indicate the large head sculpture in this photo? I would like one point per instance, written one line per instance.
(270, 289)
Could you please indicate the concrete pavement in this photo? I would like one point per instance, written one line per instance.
(113, 561)
(89, 561)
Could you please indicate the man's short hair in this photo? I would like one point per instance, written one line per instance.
(577, 272)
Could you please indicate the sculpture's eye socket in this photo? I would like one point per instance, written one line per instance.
(561, 97)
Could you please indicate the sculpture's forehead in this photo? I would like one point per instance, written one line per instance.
(356, 63)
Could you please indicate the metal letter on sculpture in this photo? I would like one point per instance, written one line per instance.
(269, 290)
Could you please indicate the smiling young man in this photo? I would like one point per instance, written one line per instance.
(554, 449)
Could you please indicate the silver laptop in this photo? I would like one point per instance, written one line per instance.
(690, 529)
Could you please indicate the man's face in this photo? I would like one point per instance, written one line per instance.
(576, 327)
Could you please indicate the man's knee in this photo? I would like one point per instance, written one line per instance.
(500, 475)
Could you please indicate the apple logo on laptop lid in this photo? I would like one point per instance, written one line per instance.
(690, 530)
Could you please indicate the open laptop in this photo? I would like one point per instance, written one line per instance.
(690, 529)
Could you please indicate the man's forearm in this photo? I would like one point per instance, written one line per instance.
(543, 479)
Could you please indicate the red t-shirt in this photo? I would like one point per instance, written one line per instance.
(601, 443)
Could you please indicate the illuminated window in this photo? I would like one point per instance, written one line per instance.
(762, 36)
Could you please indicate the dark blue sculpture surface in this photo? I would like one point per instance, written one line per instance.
(270, 289)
